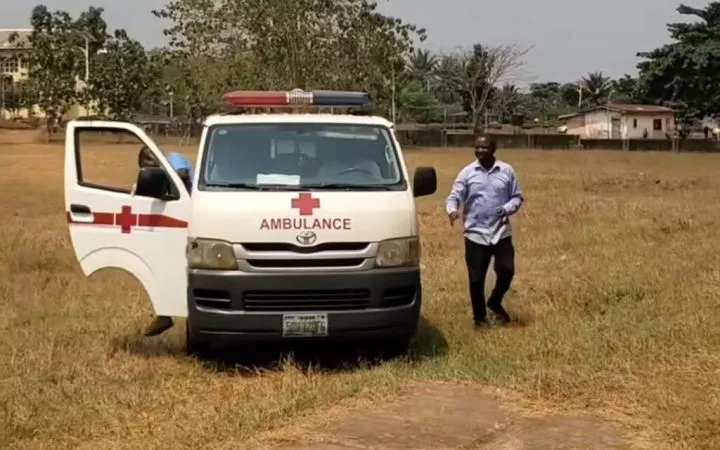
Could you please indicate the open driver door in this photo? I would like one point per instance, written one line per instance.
(114, 225)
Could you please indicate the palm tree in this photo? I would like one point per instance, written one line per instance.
(596, 88)
(445, 75)
(421, 66)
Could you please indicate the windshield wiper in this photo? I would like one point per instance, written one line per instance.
(356, 187)
(254, 187)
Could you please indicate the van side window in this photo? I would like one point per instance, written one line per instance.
(109, 159)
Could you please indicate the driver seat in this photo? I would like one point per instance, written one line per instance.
(368, 166)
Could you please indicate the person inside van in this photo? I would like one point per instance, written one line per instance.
(182, 166)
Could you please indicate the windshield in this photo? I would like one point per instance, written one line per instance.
(300, 155)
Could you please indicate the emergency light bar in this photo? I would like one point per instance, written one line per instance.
(297, 98)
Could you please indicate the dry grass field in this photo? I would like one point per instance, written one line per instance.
(618, 276)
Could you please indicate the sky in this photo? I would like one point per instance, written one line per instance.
(568, 38)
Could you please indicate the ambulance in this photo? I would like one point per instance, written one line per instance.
(297, 225)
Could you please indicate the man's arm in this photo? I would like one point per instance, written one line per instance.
(516, 199)
(457, 193)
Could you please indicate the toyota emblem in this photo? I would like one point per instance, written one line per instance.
(306, 238)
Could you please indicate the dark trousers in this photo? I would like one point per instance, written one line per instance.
(477, 259)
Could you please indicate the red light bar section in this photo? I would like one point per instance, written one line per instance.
(256, 98)
(296, 97)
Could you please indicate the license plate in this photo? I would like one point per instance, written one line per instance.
(305, 325)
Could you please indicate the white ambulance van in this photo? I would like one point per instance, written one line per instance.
(297, 225)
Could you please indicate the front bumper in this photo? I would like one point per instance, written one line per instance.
(250, 306)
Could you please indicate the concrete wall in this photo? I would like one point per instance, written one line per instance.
(598, 124)
(635, 124)
(433, 139)
(576, 125)
(457, 138)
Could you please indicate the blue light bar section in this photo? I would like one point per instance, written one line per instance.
(340, 98)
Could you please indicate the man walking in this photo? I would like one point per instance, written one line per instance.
(490, 194)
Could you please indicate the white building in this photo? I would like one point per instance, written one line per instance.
(621, 121)
(14, 50)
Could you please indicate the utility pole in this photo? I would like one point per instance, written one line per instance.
(86, 53)
(87, 59)
(580, 92)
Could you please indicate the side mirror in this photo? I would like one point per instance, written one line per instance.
(424, 181)
(153, 182)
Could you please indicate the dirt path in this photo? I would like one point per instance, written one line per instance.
(18, 137)
(460, 417)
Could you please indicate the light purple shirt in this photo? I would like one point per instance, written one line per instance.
(482, 191)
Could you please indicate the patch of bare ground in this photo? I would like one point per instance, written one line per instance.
(459, 416)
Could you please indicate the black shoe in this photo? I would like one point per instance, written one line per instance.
(481, 323)
(501, 315)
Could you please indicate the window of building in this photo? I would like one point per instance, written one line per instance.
(634, 123)
(657, 124)
(9, 66)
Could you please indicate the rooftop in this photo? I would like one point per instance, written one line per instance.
(7, 33)
(625, 108)
(640, 108)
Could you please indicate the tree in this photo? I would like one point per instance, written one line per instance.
(597, 89)
(507, 103)
(421, 66)
(164, 83)
(445, 70)
(570, 96)
(416, 104)
(477, 71)
(308, 44)
(53, 62)
(625, 89)
(685, 73)
(58, 60)
(121, 77)
(543, 100)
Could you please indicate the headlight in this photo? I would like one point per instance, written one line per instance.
(210, 254)
(398, 252)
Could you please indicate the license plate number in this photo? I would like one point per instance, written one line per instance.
(305, 325)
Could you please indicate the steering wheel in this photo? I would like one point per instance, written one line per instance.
(355, 169)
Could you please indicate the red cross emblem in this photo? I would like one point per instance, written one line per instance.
(306, 204)
(126, 219)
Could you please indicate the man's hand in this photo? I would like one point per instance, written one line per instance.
(498, 212)
(453, 217)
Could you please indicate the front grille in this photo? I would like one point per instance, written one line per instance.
(307, 300)
(325, 247)
(304, 263)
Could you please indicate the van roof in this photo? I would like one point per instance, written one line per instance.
(228, 119)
